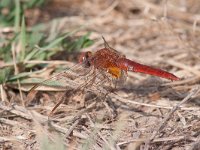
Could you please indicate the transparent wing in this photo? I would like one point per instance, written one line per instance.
(78, 78)
(74, 79)
(67, 79)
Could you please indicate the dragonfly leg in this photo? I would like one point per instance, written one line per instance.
(61, 99)
(109, 105)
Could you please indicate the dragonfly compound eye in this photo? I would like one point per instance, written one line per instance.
(84, 59)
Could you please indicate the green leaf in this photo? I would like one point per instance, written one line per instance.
(54, 43)
(78, 44)
(31, 54)
(19, 76)
(17, 15)
(5, 50)
(35, 3)
(22, 41)
(88, 43)
(4, 74)
(4, 3)
(60, 39)
(35, 38)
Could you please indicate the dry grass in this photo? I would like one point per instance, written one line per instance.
(145, 112)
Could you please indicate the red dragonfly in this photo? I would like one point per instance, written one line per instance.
(109, 60)
(100, 67)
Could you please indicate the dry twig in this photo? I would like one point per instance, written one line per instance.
(192, 93)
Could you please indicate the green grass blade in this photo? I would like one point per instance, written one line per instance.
(22, 40)
(17, 15)
(19, 76)
(57, 41)
(31, 54)
(4, 74)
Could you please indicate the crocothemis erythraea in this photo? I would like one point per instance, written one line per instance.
(98, 68)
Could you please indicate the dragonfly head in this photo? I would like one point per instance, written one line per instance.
(84, 59)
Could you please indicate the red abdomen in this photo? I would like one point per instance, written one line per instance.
(129, 65)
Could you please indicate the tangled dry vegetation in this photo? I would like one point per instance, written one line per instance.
(145, 112)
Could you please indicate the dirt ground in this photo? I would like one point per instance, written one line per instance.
(144, 112)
